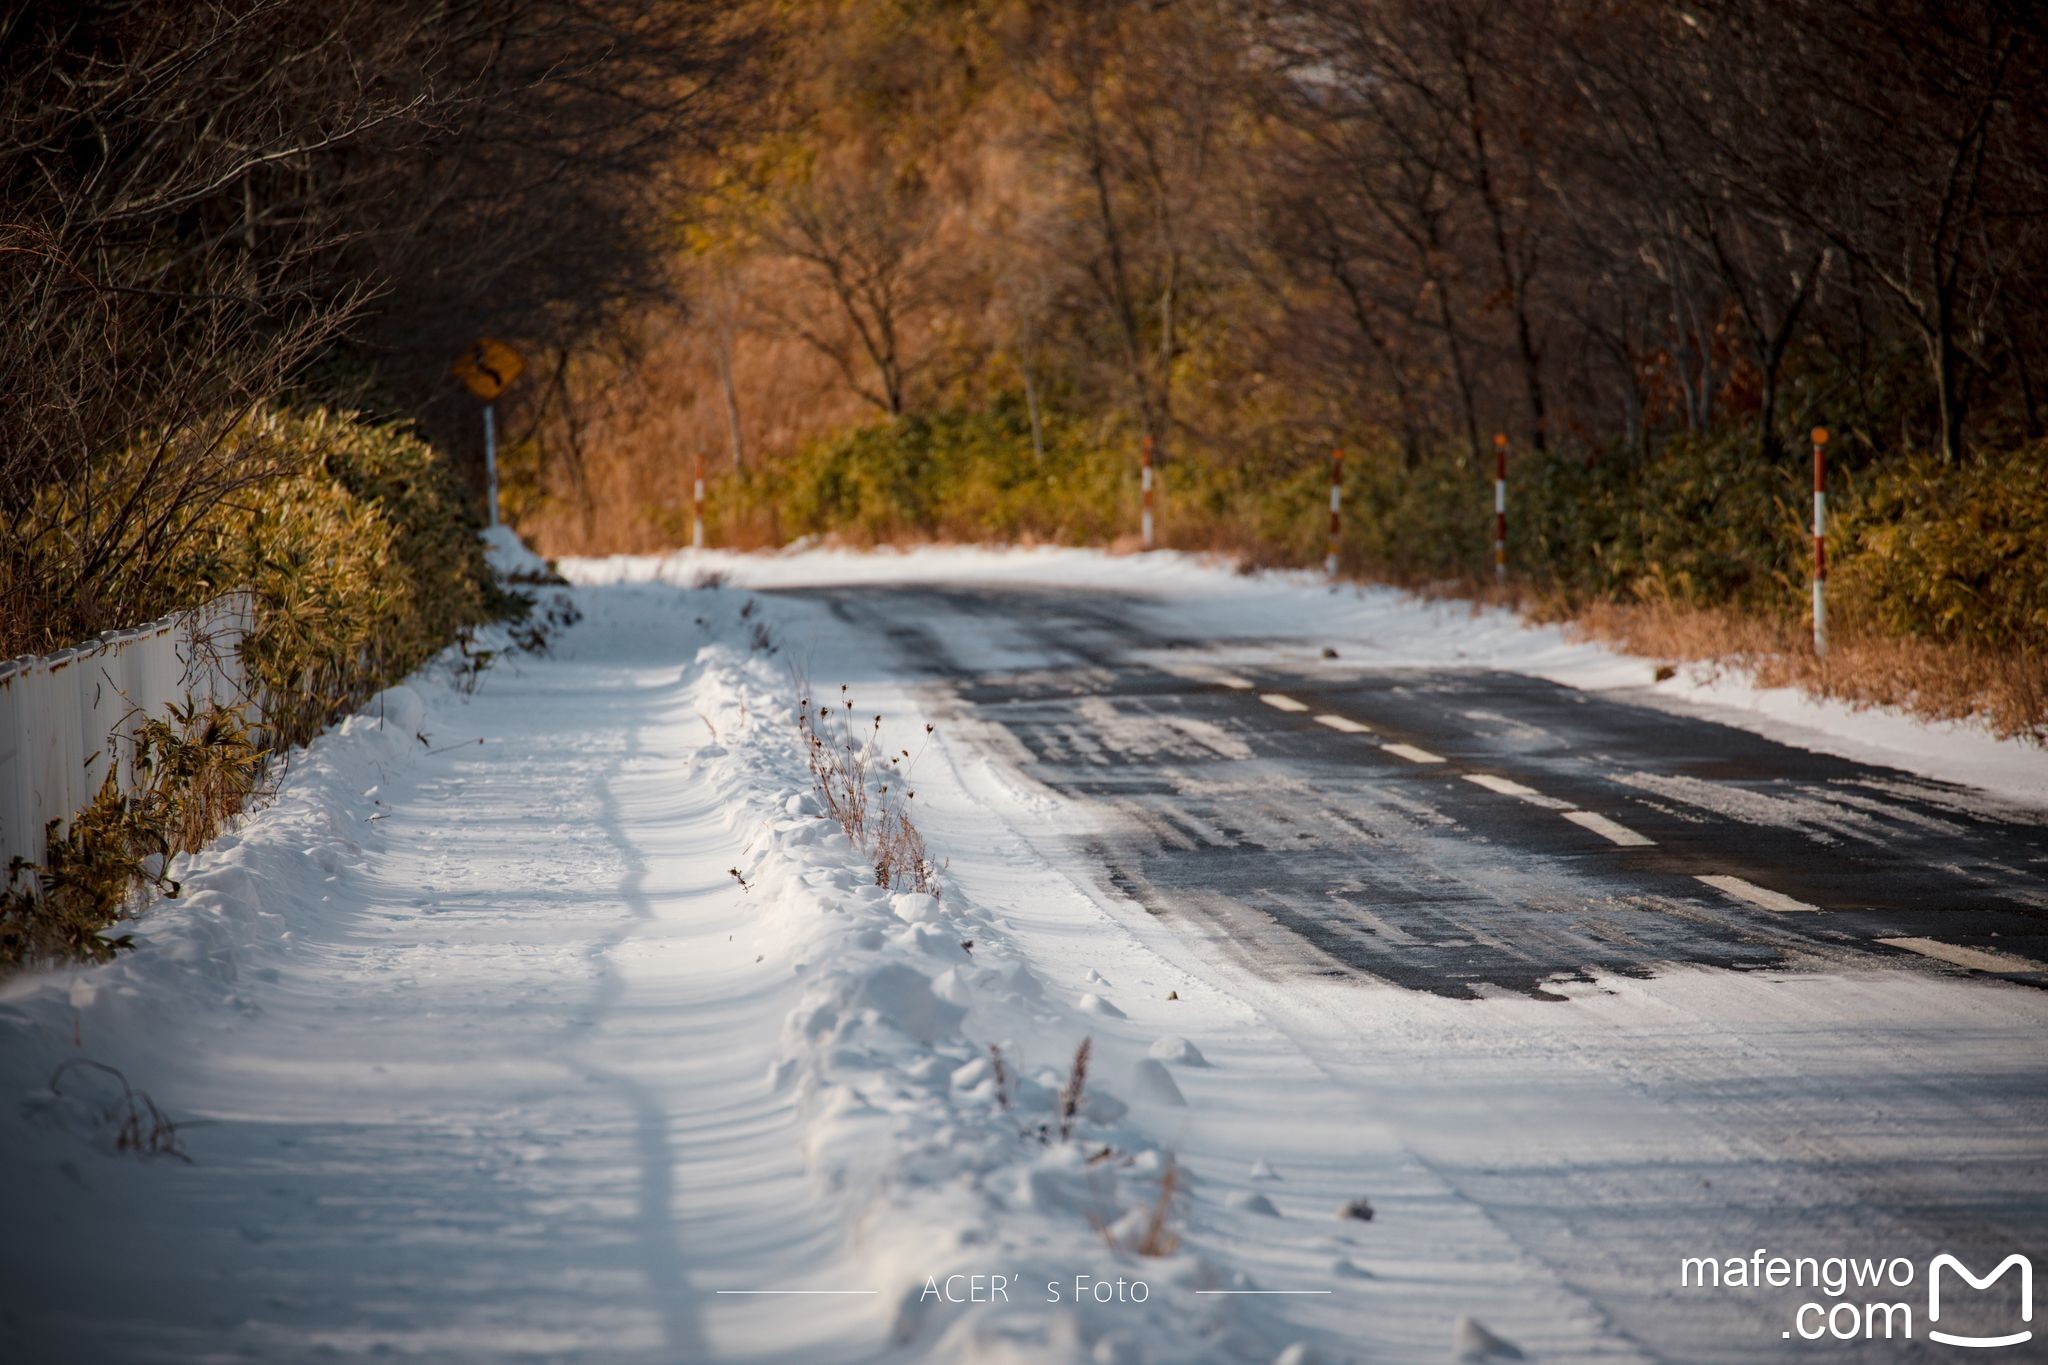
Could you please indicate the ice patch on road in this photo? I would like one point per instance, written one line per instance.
(1150, 734)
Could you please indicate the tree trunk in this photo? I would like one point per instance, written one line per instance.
(1031, 407)
(732, 405)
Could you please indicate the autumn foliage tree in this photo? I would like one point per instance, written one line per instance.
(218, 205)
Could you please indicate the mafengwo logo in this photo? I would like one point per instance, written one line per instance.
(1948, 1262)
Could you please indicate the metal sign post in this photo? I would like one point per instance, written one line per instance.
(697, 506)
(487, 369)
(491, 463)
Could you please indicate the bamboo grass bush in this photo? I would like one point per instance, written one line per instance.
(362, 553)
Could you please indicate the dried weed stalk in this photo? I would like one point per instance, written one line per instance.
(865, 790)
(1071, 1092)
(138, 1125)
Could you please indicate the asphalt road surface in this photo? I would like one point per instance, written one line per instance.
(1487, 839)
(1467, 832)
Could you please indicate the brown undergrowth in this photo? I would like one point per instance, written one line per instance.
(192, 772)
(1936, 680)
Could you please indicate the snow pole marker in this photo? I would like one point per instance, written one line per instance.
(697, 506)
(1500, 508)
(1820, 544)
(1336, 510)
(1145, 493)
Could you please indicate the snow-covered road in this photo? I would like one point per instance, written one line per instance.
(546, 1047)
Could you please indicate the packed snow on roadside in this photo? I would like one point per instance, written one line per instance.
(343, 1016)
(945, 1149)
(510, 558)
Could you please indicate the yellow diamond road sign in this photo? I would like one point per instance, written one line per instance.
(488, 368)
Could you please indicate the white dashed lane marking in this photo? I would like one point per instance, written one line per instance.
(1234, 683)
(1759, 896)
(1607, 829)
(1413, 754)
(1509, 787)
(1976, 959)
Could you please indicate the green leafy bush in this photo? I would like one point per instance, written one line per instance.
(961, 474)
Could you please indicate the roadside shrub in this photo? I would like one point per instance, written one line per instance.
(960, 474)
(193, 771)
(1955, 553)
(1697, 523)
(364, 560)
(365, 563)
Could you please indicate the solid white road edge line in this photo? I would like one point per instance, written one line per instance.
(1412, 754)
(1345, 724)
(1976, 959)
(1509, 787)
(1281, 702)
(1607, 829)
(1756, 895)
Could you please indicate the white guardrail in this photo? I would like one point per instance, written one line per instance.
(67, 717)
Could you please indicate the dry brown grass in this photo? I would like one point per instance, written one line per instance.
(1158, 1237)
(2008, 690)
(865, 789)
(1072, 1091)
(139, 1128)
(194, 772)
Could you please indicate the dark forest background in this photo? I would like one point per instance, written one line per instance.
(901, 269)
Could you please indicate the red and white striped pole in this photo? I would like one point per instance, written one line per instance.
(1820, 543)
(697, 506)
(1145, 493)
(1336, 511)
(1500, 508)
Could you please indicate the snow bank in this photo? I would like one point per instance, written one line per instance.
(948, 1159)
(241, 898)
(942, 1160)
(509, 558)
